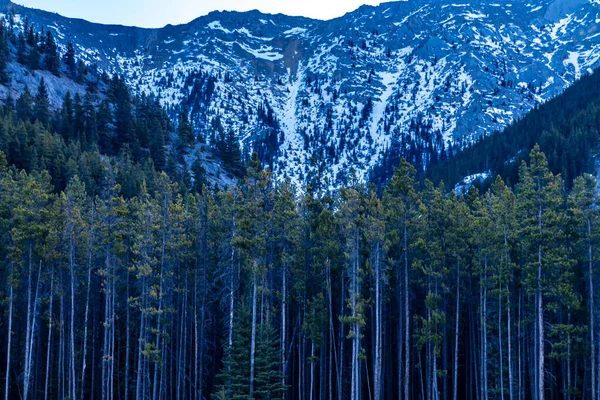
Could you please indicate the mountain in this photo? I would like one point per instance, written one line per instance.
(565, 128)
(332, 98)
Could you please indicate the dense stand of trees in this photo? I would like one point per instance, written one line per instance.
(263, 292)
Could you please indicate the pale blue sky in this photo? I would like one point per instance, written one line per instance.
(157, 13)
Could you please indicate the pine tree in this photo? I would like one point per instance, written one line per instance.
(186, 134)
(4, 53)
(41, 110)
(352, 209)
(51, 56)
(268, 385)
(235, 373)
(583, 201)
(69, 59)
(402, 202)
(539, 202)
(24, 105)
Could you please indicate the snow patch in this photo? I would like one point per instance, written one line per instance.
(265, 52)
(216, 25)
(573, 59)
(294, 31)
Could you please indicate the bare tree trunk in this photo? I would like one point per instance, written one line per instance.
(354, 293)
(312, 371)
(500, 340)
(331, 334)
(105, 344)
(540, 315)
(253, 339)
(87, 304)
(29, 365)
(200, 353)
(434, 373)
(484, 363)
(592, 309)
(72, 379)
(456, 333)
(159, 368)
(406, 315)
(49, 343)
(509, 321)
(9, 334)
(342, 337)
(283, 324)
(28, 332)
(127, 339)
(377, 373)
(510, 357)
(519, 341)
(232, 277)
(61, 346)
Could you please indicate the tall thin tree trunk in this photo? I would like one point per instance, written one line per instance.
(342, 337)
(9, 334)
(456, 334)
(509, 320)
(484, 363)
(406, 314)
(312, 371)
(592, 310)
(254, 317)
(106, 338)
(519, 348)
(500, 340)
(72, 379)
(200, 353)
(28, 333)
(87, 304)
(540, 314)
(232, 277)
(49, 343)
(355, 290)
(510, 357)
(159, 367)
(332, 333)
(283, 324)
(377, 373)
(127, 338)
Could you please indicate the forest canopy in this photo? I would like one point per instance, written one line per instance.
(262, 291)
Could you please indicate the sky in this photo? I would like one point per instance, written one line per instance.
(158, 13)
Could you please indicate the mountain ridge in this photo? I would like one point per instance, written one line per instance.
(415, 77)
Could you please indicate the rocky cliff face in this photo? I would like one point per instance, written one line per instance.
(334, 97)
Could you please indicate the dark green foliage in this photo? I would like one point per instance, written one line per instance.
(176, 258)
(4, 53)
(564, 127)
(69, 59)
(184, 129)
(51, 56)
(235, 374)
(41, 108)
(228, 149)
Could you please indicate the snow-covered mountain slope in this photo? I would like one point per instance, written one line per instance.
(333, 96)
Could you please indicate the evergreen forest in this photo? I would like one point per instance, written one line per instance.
(126, 274)
(261, 291)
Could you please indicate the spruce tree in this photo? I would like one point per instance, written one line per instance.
(51, 56)
(186, 134)
(41, 110)
(69, 59)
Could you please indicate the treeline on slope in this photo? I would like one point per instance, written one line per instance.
(261, 292)
(566, 128)
(105, 119)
